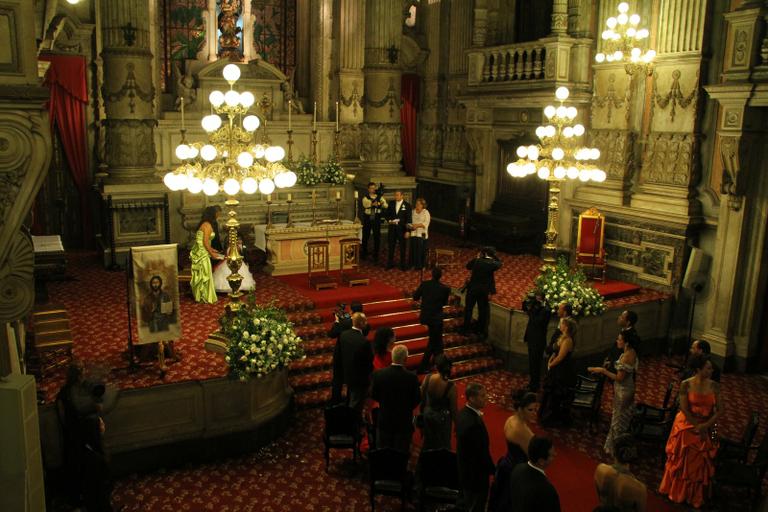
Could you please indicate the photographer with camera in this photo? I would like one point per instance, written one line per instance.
(535, 336)
(342, 322)
(480, 285)
(372, 204)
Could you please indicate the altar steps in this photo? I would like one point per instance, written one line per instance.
(311, 377)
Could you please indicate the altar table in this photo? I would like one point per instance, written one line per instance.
(286, 248)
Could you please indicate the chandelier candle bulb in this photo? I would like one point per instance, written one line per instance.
(231, 73)
(338, 195)
(356, 194)
(289, 197)
(247, 99)
(216, 98)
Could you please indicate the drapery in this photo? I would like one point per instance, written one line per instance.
(409, 96)
(69, 97)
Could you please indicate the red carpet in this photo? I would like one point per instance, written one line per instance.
(611, 289)
(375, 291)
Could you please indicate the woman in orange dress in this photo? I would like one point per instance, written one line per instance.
(690, 449)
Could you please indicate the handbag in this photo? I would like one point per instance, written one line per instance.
(418, 420)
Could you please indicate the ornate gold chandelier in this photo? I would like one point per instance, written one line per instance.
(232, 160)
(560, 155)
(622, 42)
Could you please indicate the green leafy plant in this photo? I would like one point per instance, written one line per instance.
(332, 172)
(261, 340)
(307, 173)
(560, 284)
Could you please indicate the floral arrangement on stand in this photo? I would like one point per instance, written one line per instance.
(332, 172)
(561, 284)
(307, 173)
(261, 340)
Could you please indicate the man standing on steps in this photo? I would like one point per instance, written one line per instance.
(473, 452)
(342, 322)
(480, 286)
(356, 362)
(433, 296)
(397, 391)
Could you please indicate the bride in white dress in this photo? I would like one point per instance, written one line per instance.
(222, 272)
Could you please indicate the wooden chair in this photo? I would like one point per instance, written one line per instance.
(341, 431)
(349, 263)
(318, 261)
(587, 397)
(438, 478)
(389, 475)
(444, 258)
(590, 242)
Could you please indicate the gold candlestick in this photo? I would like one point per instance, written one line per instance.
(289, 143)
(313, 148)
(314, 204)
(338, 209)
(269, 212)
(234, 258)
(336, 144)
(357, 218)
(289, 224)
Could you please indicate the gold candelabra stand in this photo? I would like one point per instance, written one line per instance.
(234, 258)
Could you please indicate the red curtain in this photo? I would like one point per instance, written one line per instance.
(409, 96)
(69, 97)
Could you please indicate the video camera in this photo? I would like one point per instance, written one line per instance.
(341, 312)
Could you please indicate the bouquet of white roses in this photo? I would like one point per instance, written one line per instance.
(261, 340)
(332, 172)
(560, 284)
(307, 173)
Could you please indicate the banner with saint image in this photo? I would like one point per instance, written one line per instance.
(156, 292)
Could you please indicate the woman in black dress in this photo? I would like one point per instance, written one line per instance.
(438, 406)
(560, 379)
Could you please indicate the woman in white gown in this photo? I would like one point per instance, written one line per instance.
(222, 272)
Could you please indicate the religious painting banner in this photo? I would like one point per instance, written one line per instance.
(156, 292)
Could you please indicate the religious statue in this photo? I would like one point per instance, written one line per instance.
(229, 40)
(289, 94)
(185, 86)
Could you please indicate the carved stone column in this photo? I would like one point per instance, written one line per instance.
(380, 139)
(128, 91)
(351, 81)
(559, 17)
(480, 26)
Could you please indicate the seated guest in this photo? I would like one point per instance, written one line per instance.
(518, 435)
(531, 490)
(438, 406)
(383, 341)
(341, 323)
(397, 391)
(701, 347)
(356, 361)
(616, 485)
(473, 454)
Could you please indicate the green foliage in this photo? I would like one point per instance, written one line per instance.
(332, 172)
(561, 284)
(306, 172)
(261, 340)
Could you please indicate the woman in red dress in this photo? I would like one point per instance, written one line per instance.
(383, 341)
(691, 449)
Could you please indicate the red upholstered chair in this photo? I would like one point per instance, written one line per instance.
(590, 243)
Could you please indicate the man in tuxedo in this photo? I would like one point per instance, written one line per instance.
(564, 310)
(356, 361)
(397, 391)
(529, 486)
(627, 320)
(433, 296)
(480, 286)
(473, 454)
(373, 203)
(342, 322)
(701, 347)
(536, 337)
(398, 217)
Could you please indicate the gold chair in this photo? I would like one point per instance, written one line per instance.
(349, 263)
(444, 258)
(318, 261)
(590, 250)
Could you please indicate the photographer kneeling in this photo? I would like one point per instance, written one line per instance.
(342, 322)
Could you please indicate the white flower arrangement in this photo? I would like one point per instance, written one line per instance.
(333, 173)
(261, 340)
(307, 173)
(560, 284)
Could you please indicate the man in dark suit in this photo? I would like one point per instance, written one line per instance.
(536, 337)
(701, 347)
(564, 310)
(399, 215)
(528, 484)
(356, 362)
(397, 391)
(473, 454)
(342, 322)
(480, 286)
(433, 296)
(627, 320)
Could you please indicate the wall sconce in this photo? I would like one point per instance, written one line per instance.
(392, 52)
(129, 34)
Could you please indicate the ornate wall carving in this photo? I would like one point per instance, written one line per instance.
(616, 150)
(670, 159)
(17, 284)
(674, 97)
(380, 142)
(429, 142)
(454, 143)
(350, 141)
(130, 143)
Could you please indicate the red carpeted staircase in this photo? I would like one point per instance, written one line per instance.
(311, 377)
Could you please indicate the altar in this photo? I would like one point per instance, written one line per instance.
(286, 248)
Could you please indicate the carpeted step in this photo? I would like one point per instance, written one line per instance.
(474, 366)
(373, 308)
(306, 381)
(314, 398)
(319, 346)
(460, 353)
(311, 363)
(299, 318)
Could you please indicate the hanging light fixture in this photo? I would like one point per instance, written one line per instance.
(624, 40)
(233, 160)
(560, 155)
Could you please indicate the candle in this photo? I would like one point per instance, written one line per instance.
(314, 117)
(337, 116)
(356, 194)
(290, 102)
(289, 197)
(269, 198)
(338, 195)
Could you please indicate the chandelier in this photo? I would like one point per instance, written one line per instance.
(232, 160)
(622, 42)
(561, 155)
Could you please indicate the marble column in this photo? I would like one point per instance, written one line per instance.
(128, 92)
(351, 80)
(480, 23)
(432, 116)
(380, 139)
